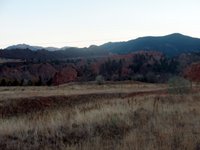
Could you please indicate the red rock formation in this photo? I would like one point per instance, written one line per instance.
(65, 75)
(193, 72)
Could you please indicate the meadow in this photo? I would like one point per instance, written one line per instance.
(121, 115)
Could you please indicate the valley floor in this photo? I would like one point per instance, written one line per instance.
(88, 116)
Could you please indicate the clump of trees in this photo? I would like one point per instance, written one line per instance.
(141, 67)
(6, 82)
(111, 69)
(23, 82)
(144, 67)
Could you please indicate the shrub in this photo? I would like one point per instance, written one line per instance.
(179, 85)
(99, 79)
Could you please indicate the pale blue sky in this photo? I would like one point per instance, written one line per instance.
(84, 22)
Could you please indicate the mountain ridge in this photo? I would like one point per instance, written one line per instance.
(167, 44)
(170, 45)
(34, 48)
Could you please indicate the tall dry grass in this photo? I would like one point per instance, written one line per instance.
(141, 123)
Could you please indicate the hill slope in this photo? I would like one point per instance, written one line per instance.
(172, 45)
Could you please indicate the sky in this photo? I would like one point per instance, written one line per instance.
(82, 23)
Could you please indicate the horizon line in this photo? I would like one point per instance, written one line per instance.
(5, 46)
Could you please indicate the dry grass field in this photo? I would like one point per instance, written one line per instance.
(112, 116)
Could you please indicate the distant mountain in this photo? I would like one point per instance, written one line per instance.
(46, 55)
(33, 48)
(24, 46)
(171, 45)
(51, 48)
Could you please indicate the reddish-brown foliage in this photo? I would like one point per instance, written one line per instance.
(193, 72)
(65, 75)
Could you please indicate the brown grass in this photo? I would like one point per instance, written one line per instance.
(102, 121)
